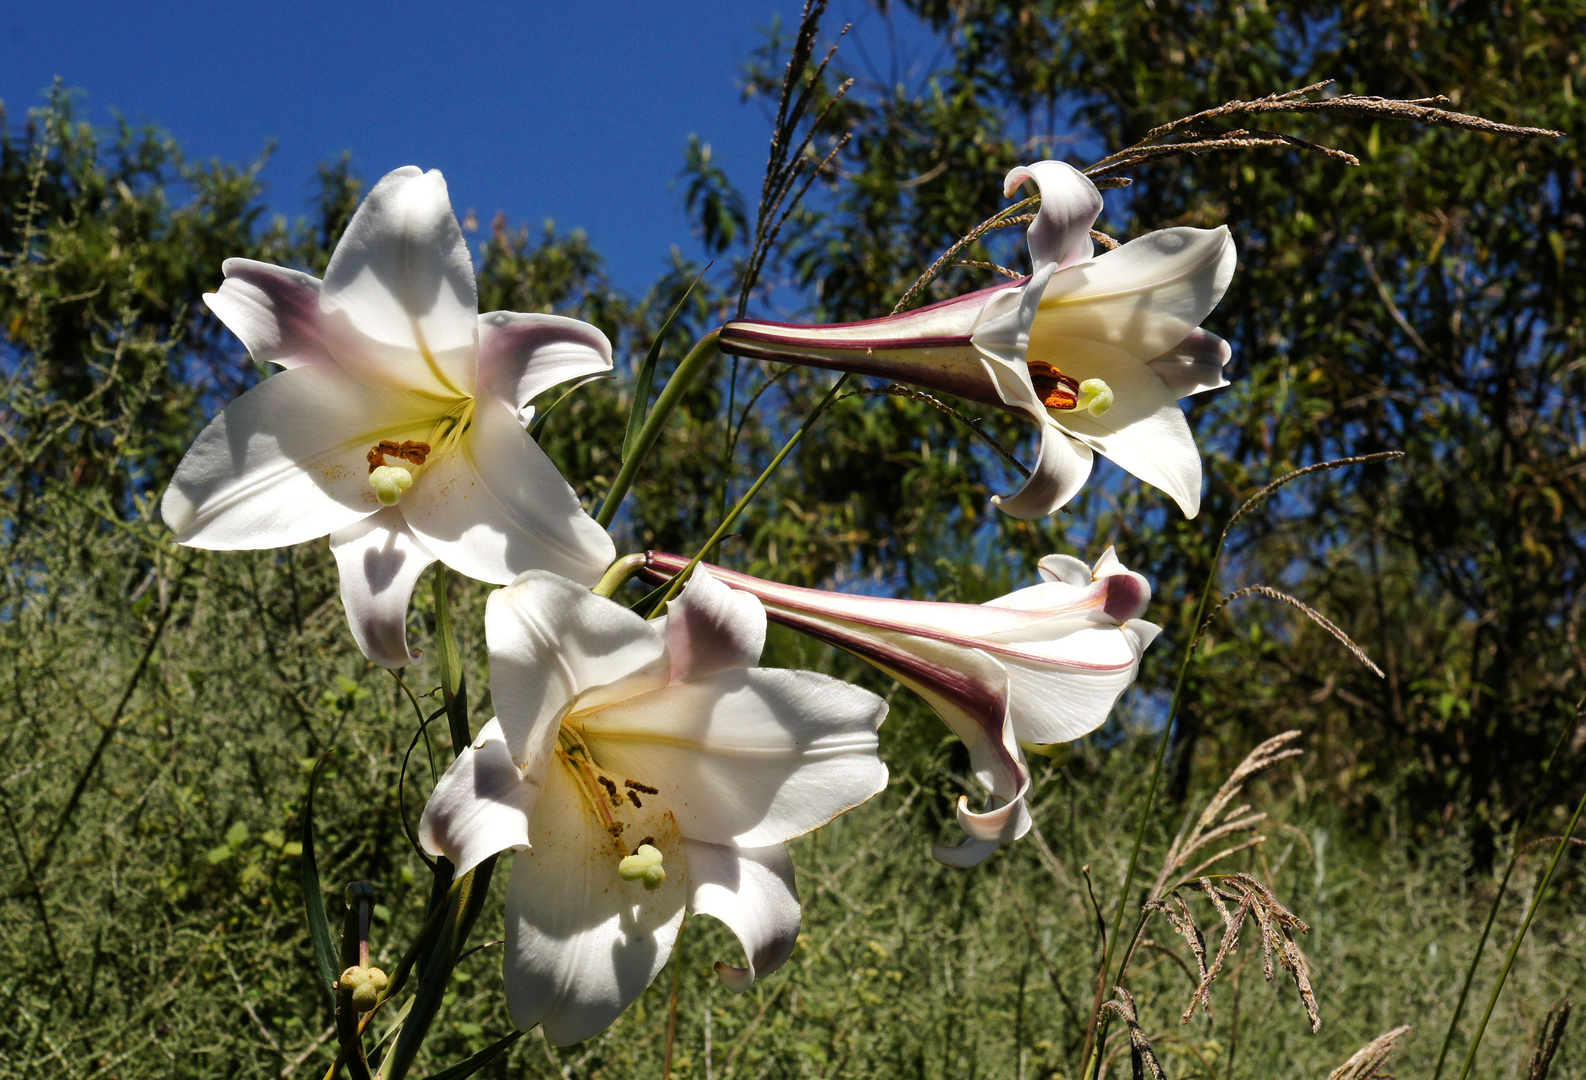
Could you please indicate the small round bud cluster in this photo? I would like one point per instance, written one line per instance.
(643, 865)
(389, 482)
(365, 984)
(1095, 397)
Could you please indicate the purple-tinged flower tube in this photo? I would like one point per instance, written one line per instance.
(1042, 665)
(1096, 349)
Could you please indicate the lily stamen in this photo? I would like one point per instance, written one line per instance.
(1056, 390)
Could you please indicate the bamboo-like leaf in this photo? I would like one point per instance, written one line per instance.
(479, 1060)
(314, 896)
(646, 376)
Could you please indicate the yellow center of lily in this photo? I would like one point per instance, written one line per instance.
(616, 806)
(392, 462)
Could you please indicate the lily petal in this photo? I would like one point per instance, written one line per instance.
(273, 310)
(1145, 296)
(1067, 688)
(1144, 432)
(495, 507)
(523, 355)
(969, 853)
(1064, 568)
(1195, 365)
(752, 891)
(551, 641)
(1070, 204)
(399, 302)
(711, 628)
(1059, 474)
(582, 943)
(748, 756)
(379, 561)
(1105, 600)
(999, 823)
(480, 806)
(962, 684)
(283, 463)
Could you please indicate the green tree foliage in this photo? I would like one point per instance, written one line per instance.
(164, 704)
(1427, 300)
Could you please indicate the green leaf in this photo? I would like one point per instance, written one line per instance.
(543, 415)
(314, 896)
(454, 685)
(479, 1060)
(641, 387)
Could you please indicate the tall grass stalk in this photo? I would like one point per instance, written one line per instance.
(1514, 949)
(1095, 1034)
(1503, 887)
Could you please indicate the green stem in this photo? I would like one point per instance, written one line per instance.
(463, 903)
(1093, 1044)
(619, 574)
(1503, 887)
(1536, 902)
(680, 579)
(687, 371)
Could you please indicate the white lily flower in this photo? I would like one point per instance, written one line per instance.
(1042, 665)
(640, 768)
(1097, 349)
(397, 426)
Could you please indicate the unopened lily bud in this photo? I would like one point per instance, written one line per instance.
(364, 985)
(1095, 397)
(643, 865)
(358, 891)
(389, 482)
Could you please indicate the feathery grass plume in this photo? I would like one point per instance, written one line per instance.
(1214, 825)
(1367, 1062)
(1145, 1060)
(1197, 135)
(1182, 920)
(1305, 609)
(1547, 1043)
(1249, 897)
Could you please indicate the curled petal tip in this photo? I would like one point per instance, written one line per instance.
(964, 855)
(1128, 595)
(735, 979)
(997, 825)
(1015, 178)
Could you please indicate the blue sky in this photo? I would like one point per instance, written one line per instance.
(568, 111)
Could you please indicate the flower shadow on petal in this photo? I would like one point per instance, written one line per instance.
(747, 756)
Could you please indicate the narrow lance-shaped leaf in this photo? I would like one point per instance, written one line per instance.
(641, 387)
(454, 684)
(313, 896)
(472, 1065)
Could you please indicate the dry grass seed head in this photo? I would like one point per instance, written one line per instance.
(1278, 924)
(1214, 824)
(1144, 1058)
(1367, 1062)
(1547, 1043)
